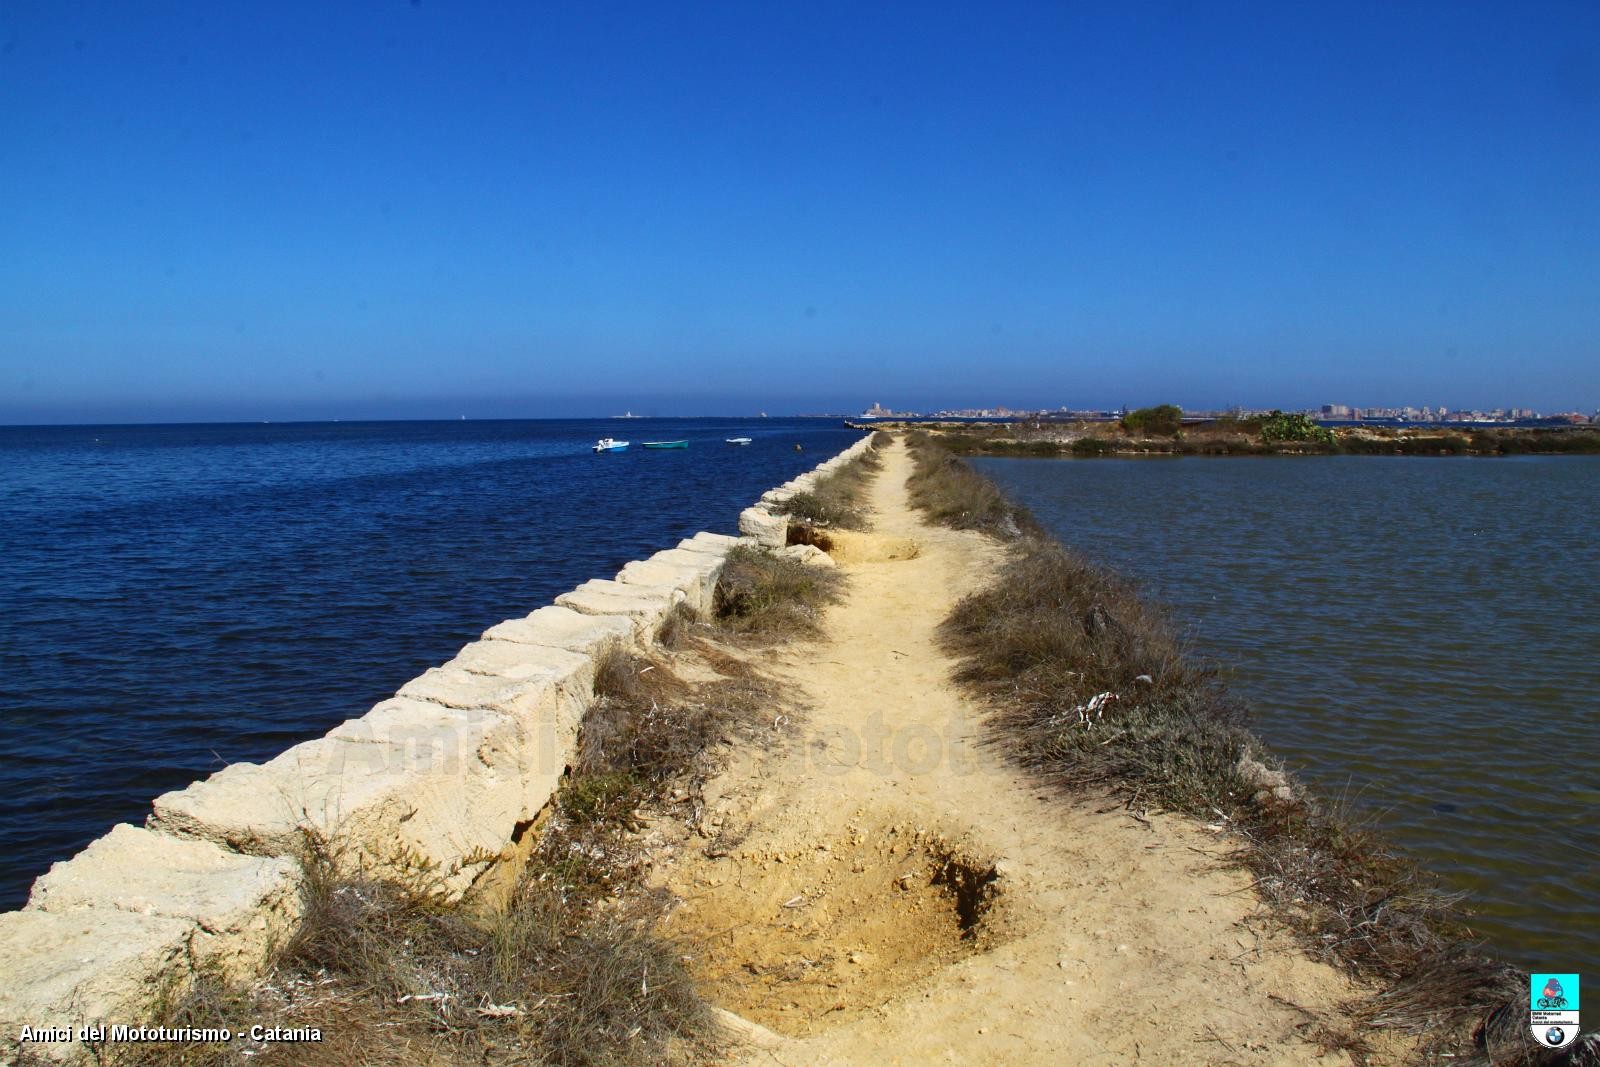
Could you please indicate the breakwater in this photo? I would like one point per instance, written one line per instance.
(445, 777)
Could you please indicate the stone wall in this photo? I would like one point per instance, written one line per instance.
(443, 776)
(770, 529)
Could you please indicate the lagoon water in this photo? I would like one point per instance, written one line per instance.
(176, 598)
(1421, 635)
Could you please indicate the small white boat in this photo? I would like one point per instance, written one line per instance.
(738, 440)
(610, 444)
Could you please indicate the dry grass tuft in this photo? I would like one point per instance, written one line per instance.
(649, 729)
(953, 494)
(680, 622)
(391, 975)
(1050, 637)
(839, 499)
(766, 598)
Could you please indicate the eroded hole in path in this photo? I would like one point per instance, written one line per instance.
(854, 546)
(801, 939)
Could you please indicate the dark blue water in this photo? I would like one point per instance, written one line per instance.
(1421, 636)
(176, 598)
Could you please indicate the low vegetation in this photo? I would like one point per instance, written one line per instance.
(950, 492)
(1093, 690)
(839, 499)
(1277, 433)
(1279, 426)
(764, 597)
(1163, 420)
(390, 974)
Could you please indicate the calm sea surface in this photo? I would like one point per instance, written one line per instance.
(1421, 635)
(176, 598)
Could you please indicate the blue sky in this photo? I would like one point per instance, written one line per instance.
(393, 209)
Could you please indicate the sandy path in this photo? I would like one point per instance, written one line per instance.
(849, 911)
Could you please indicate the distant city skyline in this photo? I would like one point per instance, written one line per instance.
(1328, 412)
(310, 211)
(737, 408)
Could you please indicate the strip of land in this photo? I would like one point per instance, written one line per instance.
(1279, 434)
(888, 889)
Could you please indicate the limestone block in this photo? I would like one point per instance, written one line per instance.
(769, 530)
(260, 808)
(240, 904)
(438, 739)
(777, 496)
(558, 627)
(413, 781)
(646, 605)
(456, 687)
(810, 555)
(514, 661)
(708, 566)
(1270, 785)
(696, 581)
(648, 574)
(83, 965)
(718, 549)
(727, 541)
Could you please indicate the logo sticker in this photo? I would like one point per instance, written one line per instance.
(1553, 1008)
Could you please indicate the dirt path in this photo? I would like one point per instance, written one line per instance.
(886, 890)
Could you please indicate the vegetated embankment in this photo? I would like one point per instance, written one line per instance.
(1159, 431)
(1091, 689)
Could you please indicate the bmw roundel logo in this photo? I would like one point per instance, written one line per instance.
(1554, 1036)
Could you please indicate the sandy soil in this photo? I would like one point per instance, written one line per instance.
(887, 890)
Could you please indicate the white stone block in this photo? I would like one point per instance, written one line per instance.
(241, 904)
(84, 965)
(692, 572)
(561, 627)
(808, 554)
(768, 530)
(513, 661)
(412, 783)
(646, 605)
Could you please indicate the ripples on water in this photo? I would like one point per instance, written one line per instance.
(176, 598)
(1421, 634)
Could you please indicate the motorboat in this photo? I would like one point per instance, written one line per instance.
(611, 444)
(738, 440)
(666, 444)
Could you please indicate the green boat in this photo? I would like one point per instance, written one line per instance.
(666, 444)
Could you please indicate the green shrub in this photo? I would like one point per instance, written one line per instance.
(767, 597)
(1281, 426)
(1164, 420)
(1092, 446)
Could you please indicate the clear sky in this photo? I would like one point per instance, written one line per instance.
(222, 210)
